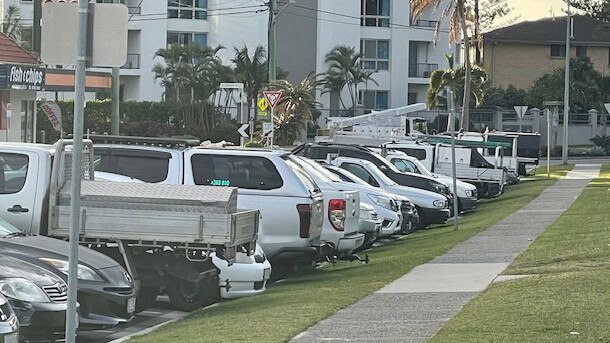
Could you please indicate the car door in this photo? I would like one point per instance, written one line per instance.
(18, 187)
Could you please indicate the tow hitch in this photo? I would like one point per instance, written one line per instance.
(354, 257)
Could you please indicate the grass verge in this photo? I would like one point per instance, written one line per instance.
(294, 305)
(567, 299)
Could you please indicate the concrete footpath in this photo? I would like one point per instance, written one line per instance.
(414, 307)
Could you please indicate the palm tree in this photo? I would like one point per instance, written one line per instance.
(455, 10)
(295, 109)
(11, 24)
(455, 79)
(344, 71)
(251, 71)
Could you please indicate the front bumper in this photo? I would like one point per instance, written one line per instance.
(105, 304)
(242, 279)
(433, 215)
(40, 322)
(349, 243)
(468, 203)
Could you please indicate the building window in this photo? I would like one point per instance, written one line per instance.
(558, 50)
(26, 38)
(375, 54)
(374, 100)
(375, 13)
(581, 51)
(411, 98)
(187, 38)
(187, 9)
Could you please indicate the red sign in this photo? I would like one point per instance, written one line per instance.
(272, 97)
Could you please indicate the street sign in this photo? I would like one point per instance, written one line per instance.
(232, 85)
(243, 130)
(262, 104)
(520, 111)
(267, 130)
(262, 115)
(272, 97)
(53, 112)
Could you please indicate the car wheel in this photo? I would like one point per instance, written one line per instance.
(146, 298)
(191, 295)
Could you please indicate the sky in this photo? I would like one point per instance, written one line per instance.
(536, 9)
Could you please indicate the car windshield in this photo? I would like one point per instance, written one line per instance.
(386, 163)
(346, 176)
(7, 229)
(410, 166)
(380, 176)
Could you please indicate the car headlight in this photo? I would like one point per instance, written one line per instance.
(380, 200)
(469, 193)
(83, 272)
(22, 289)
(440, 188)
(439, 203)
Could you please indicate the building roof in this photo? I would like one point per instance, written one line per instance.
(11, 52)
(552, 30)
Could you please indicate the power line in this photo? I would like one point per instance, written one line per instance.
(209, 15)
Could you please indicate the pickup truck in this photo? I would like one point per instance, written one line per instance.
(291, 205)
(164, 233)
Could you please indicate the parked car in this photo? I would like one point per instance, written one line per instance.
(38, 298)
(369, 223)
(467, 193)
(9, 326)
(105, 290)
(431, 207)
(410, 217)
(341, 223)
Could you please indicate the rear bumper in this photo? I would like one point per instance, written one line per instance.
(349, 243)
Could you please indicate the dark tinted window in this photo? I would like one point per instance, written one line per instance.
(420, 154)
(13, 172)
(148, 166)
(320, 152)
(360, 172)
(250, 172)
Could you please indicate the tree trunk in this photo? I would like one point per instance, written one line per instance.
(465, 121)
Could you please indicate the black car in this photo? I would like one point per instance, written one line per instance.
(320, 151)
(38, 297)
(105, 290)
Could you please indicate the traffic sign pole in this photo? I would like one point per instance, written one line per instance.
(272, 128)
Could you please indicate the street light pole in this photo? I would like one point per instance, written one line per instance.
(566, 92)
(272, 62)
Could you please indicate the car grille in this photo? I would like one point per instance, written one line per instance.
(405, 206)
(57, 292)
(5, 312)
(119, 290)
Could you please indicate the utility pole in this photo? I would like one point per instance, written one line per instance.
(77, 158)
(116, 86)
(566, 92)
(272, 58)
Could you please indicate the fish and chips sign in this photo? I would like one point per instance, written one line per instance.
(21, 77)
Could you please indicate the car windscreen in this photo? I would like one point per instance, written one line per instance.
(249, 172)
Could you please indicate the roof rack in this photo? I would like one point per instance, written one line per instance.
(170, 143)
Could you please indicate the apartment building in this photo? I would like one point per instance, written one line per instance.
(401, 52)
(155, 24)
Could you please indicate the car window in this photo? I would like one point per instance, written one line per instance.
(249, 172)
(360, 172)
(341, 176)
(420, 154)
(13, 172)
(148, 166)
(405, 165)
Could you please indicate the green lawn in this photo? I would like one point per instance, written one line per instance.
(290, 307)
(567, 299)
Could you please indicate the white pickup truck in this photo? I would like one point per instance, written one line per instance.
(291, 205)
(164, 233)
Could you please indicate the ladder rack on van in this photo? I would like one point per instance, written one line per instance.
(170, 143)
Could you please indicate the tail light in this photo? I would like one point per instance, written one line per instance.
(336, 213)
(304, 219)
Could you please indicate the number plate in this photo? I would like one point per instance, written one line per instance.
(266, 273)
(12, 338)
(131, 305)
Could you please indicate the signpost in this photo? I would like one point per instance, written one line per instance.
(520, 113)
(555, 105)
(272, 97)
(242, 115)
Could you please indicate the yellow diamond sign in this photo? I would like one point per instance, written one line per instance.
(262, 104)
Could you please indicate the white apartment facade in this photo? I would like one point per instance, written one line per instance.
(402, 53)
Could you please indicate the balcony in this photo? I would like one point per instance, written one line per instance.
(423, 70)
(133, 61)
(425, 23)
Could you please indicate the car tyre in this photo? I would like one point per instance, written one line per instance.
(192, 295)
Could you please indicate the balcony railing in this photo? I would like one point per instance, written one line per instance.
(134, 10)
(426, 23)
(133, 61)
(422, 69)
